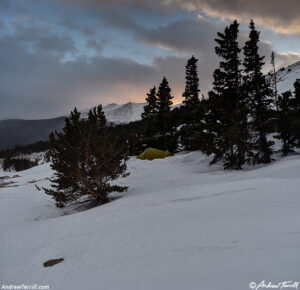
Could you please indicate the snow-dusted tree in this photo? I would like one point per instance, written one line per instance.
(85, 158)
(257, 92)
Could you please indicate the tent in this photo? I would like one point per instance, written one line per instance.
(152, 153)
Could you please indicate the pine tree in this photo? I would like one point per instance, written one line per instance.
(296, 122)
(274, 77)
(285, 118)
(297, 93)
(191, 93)
(164, 97)
(166, 132)
(151, 109)
(227, 113)
(191, 111)
(85, 158)
(257, 92)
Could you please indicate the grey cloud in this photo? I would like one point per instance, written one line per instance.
(88, 31)
(281, 16)
(42, 38)
(44, 86)
(92, 43)
(185, 35)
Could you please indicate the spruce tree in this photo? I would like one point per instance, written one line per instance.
(190, 130)
(191, 93)
(166, 132)
(285, 118)
(274, 78)
(296, 122)
(227, 112)
(85, 157)
(151, 109)
(297, 93)
(257, 92)
(164, 97)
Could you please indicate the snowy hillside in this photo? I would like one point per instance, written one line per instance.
(287, 77)
(125, 113)
(181, 225)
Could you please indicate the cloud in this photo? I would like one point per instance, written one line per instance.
(188, 35)
(268, 13)
(41, 37)
(44, 86)
(282, 17)
(92, 43)
(49, 66)
(88, 31)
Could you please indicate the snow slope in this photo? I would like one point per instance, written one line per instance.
(287, 77)
(124, 113)
(181, 225)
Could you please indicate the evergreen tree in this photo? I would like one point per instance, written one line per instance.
(296, 122)
(166, 133)
(164, 97)
(151, 109)
(297, 93)
(191, 93)
(227, 112)
(192, 112)
(257, 92)
(274, 77)
(286, 106)
(85, 158)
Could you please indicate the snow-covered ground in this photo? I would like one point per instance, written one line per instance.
(287, 77)
(182, 225)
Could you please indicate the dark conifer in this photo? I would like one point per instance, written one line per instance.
(85, 158)
(191, 93)
(274, 77)
(164, 97)
(227, 112)
(296, 122)
(151, 108)
(166, 132)
(257, 92)
(285, 113)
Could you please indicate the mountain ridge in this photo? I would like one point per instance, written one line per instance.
(19, 132)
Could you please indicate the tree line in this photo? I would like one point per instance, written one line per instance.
(242, 109)
(233, 125)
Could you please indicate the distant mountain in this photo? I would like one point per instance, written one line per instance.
(21, 132)
(125, 113)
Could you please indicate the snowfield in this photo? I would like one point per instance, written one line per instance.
(182, 225)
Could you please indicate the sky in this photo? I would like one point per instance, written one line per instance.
(58, 54)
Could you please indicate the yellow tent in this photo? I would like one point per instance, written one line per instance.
(152, 153)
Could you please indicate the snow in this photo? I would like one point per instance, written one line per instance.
(182, 225)
(287, 77)
(125, 113)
